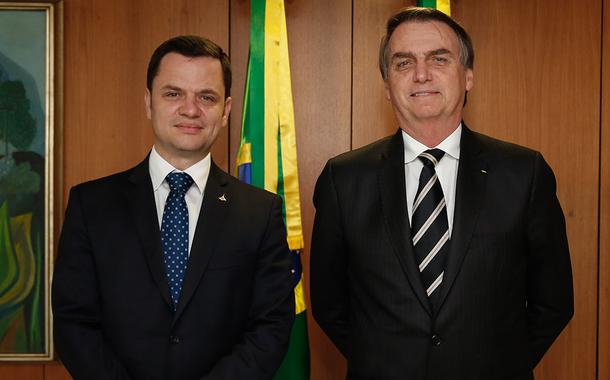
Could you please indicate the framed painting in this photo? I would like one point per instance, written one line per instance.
(30, 120)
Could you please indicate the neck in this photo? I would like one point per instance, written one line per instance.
(181, 162)
(430, 133)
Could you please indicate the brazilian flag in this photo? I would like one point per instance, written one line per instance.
(267, 156)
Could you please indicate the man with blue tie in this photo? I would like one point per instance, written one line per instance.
(438, 253)
(174, 269)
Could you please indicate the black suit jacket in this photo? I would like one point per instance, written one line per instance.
(111, 303)
(507, 288)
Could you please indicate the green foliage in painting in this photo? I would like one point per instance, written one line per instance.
(20, 180)
(17, 127)
(22, 328)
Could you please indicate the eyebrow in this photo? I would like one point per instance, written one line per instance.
(176, 88)
(400, 54)
(170, 87)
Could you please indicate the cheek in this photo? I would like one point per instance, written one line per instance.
(216, 116)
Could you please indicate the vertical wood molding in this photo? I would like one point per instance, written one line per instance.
(603, 354)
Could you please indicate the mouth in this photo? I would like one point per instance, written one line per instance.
(188, 128)
(418, 94)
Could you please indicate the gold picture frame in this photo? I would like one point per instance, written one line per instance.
(31, 52)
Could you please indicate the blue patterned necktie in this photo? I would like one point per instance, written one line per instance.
(429, 224)
(175, 232)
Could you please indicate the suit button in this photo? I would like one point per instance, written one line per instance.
(174, 339)
(436, 340)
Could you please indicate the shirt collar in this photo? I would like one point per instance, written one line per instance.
(159, 168)
(450, 145)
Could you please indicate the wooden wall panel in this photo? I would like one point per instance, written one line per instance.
(372, 116)
(21, 371)
(319, 35)
(603, 354)
(56, 371)
(240, 42)
(528, 57)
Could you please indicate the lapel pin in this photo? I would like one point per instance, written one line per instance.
(222, 198)
(483, 171)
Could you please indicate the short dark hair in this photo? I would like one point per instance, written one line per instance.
(190, 46)
(417, 14)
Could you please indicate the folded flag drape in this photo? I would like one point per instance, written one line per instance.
(267, 156)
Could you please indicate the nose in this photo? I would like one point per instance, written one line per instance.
(190, 108)
(422, 73)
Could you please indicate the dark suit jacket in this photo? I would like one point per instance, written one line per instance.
(507, 289)
(111, 301)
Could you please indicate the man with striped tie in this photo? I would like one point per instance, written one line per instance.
(438, 253)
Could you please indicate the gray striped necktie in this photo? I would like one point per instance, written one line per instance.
(429, 225)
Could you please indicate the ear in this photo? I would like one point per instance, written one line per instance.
(386, 88)
(227, 111)
(469, 79)
(147, 104)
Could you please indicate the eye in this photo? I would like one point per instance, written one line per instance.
(171, 94)
(403, 64)
(440, 59)
(208, 98)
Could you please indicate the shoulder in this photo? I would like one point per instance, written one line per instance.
(246, 190)
(359, 168)
(515, 162)
(361, 163)
(369, 154)
(107, 184)
(494, 147)
(241, 196)
(501, 155)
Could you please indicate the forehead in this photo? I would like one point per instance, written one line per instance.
(423, 36)
(178, 70)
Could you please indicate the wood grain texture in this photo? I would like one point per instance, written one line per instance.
(56, 371)
(528, 55)
(21, 371)
(240, 43)
(603, 354)
(372, 115)
(319, 35)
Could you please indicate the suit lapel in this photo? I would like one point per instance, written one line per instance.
(141, 203)
(470, 191)
(214, 209)
(394, 207)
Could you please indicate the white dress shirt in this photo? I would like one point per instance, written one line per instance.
(446, 169)
(159, 169)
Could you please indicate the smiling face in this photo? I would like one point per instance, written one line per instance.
(187, 108)
(426, 81)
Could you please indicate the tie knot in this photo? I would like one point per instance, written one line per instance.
(179, 181)
(431, 157)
